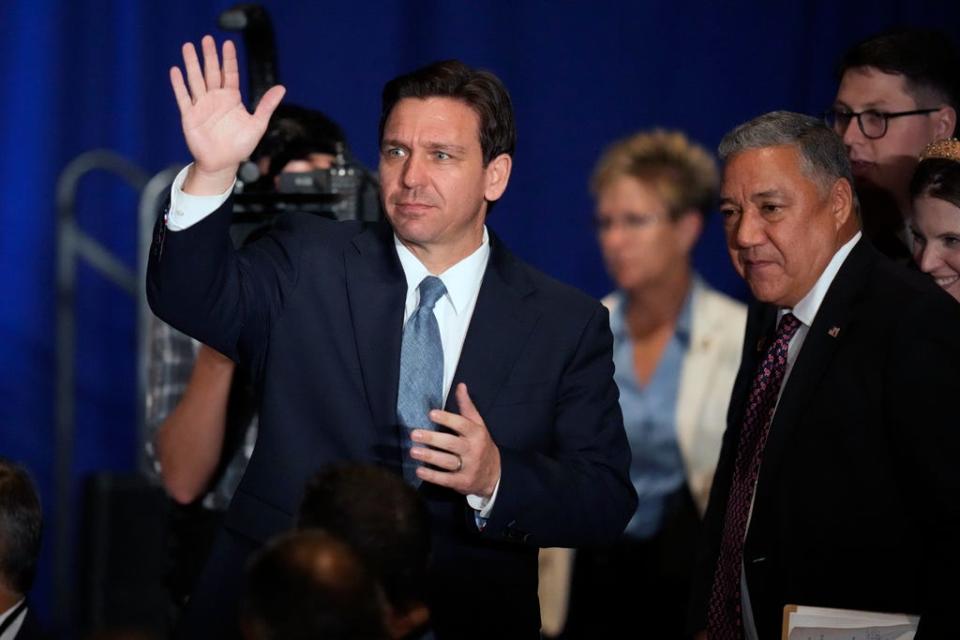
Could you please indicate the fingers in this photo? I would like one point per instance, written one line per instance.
(437, 440)
(211, 77)
(453, 421)
(194, 76)
(268, 104)
(466, 460)
(440, 478)
(211, 64)
(179, 89)
(231, 72)
(467, 408)
(441, 459)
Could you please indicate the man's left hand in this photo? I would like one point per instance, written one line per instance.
(467, 460)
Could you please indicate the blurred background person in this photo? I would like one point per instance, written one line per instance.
(298, 140)
(308, 585)
(935, 224)
(677, 345)
(386, 523)
(20, 528)
(200, 410)
(902, 88)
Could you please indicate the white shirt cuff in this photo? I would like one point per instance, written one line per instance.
(483, 506)
(186, 210)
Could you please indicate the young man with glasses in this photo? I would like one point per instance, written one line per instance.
(898, 92)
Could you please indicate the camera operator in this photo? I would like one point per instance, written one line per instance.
(201, 411)
(302, 164)
(298, 140)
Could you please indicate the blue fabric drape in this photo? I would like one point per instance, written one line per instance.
(84, 74)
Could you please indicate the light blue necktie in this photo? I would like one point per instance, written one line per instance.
(421, 371)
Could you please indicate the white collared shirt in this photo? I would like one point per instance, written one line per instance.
(186, 209)
(455, 308)
(805, 311)
(11, 632)
(453, 311)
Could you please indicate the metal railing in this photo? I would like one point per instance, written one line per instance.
(75, 246)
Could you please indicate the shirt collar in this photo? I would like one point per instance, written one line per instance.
(806, 310)
(685, 319)
(462, 280)
(618, 315)
(5, 614)
(618, 318)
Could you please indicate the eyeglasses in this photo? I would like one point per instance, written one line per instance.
(872, 123)
(630, 222)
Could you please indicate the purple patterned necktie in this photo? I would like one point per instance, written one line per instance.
(724, 617)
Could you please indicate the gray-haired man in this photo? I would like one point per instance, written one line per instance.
(837, 483)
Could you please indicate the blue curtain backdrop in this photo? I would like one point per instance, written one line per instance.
(84, 74)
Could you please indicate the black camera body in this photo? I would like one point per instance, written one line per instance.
(343, 181)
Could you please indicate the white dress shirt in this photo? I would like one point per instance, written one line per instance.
(453, 311)
(805, 311)
(185, 209)
(11, 631)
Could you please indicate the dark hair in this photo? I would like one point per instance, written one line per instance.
(294, 133)
(480, 90)
(382, 517)
(937, 178)
(21, 524)
(926, 58)
(310, 584)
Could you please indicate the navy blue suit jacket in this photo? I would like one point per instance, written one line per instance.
(315, 311)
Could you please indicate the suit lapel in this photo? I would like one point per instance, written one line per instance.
(835, 318)
(500, 326)
(376, 290)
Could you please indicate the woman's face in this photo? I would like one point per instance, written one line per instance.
(639, 240)
(936, 241)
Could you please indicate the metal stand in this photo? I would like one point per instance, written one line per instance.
(74, 246)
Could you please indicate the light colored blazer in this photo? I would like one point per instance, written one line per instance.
(706, 382)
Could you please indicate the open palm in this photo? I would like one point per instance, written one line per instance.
(217, 127)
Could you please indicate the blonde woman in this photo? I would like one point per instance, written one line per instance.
(677, 345)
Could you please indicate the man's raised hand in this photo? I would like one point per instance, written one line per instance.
(217, 127)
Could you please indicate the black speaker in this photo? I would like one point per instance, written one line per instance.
(123, 558)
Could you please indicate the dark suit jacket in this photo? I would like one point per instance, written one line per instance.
(31, 628)
(857, 503)
(315, 310)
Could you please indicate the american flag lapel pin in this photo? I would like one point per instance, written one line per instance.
(834, 332)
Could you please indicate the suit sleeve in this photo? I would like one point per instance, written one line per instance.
(924, 388)
(224, 298)
(581, 493)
